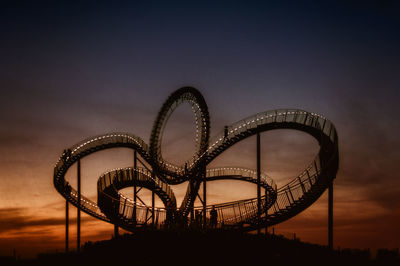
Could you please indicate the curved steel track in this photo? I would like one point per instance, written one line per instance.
(282, 203)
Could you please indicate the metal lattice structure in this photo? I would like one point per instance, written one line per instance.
(157, 174)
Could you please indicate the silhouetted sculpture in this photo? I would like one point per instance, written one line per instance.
(157, 174)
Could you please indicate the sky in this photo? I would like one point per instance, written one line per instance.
(71, 70)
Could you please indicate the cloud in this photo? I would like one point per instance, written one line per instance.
(357, 225)
(14, 219)
(369, 152)
(31, 234)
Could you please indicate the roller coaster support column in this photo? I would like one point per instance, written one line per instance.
(66, 226)
(134, 185)
(153, 207)
(192, 218)
(204, 199)
(78, 217)
(266, 211)
(330, 215)
(258, 183)
(152, 204)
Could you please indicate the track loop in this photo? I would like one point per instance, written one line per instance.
(169, 172)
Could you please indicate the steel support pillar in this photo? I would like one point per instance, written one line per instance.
(66, 226)
(134, 185)
(330, 215)
(153, 207)
(152, 204)
(266, 211)
(258, 183)
(204, 199)
(78, 216)
(192, 207)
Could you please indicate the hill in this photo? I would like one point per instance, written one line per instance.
(211, 248)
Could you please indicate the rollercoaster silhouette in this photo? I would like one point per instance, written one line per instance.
(156, 174)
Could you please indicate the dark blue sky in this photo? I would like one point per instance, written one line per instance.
(70, 70)
(286, 53)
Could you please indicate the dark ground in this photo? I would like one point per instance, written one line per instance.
(214, 248)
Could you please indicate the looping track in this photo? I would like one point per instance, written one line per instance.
(282, 203)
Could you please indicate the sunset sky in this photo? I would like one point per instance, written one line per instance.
(71, 70)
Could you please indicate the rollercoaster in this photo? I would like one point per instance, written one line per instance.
(151, 171)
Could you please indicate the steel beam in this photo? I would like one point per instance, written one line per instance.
(134, 185)
(153, 207)
(66, 226)
(330, 215)
(152, 203)
(204, 199)
(78, 216)
(258, 183)
(266, 210)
